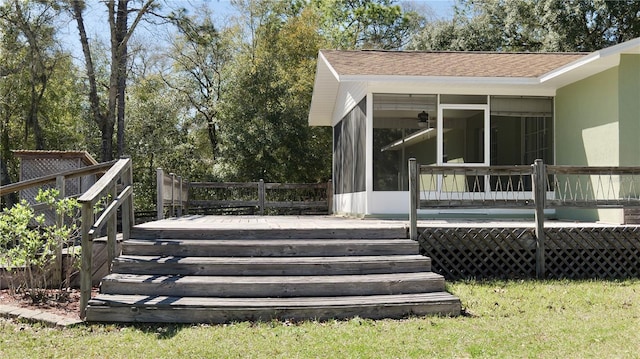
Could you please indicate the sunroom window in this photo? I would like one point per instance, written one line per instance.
(476, 130)
(398, 135)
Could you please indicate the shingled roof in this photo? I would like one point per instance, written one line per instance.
(460, 64)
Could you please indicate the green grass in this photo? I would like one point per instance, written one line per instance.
(512, 319)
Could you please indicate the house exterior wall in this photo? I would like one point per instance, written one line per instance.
(587, 131)
(629, 109)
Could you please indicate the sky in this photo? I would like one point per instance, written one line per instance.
(96, 26)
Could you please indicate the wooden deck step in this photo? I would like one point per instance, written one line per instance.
(273, 286)
(269, 248)
(147, 232)
(269, 266)
(218, 270)
(166, 309)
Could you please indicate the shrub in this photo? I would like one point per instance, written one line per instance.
(28, 246)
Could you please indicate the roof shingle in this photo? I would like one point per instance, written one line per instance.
(458, 64)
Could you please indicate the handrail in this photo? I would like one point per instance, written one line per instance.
(35, 182)
(260, 199)
(173, 191)
(105, 189)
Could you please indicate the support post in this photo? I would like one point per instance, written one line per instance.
(173, 194)
(180, 196)
(86, 265)
(539, 190)
(112, 229)
(330, 197)
(261, 196)
(128, 216)
(413, 199)
(160, 193)
(58, 262)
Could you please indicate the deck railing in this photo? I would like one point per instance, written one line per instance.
(537, 186)
(111, 192)
(60, 180)
(172, 191)
(180, 195)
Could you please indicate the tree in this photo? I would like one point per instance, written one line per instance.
(530, 25)
(34, 25)
(264, 131)
(120, 34)
(200, 55)
(366, 24)
(38, 90)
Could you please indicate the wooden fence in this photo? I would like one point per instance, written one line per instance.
(537, 187)
(176, 196)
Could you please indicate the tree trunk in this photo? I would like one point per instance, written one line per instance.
(213, 136)
(100, 118)
(107, 140)
(121, 49)
(120, 35)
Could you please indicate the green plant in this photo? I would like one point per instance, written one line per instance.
(29, 247)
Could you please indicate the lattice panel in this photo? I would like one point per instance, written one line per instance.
(459, 253)
(612, 252)
(578, 253)
(36, 167)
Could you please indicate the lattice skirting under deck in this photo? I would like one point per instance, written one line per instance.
(578, 253)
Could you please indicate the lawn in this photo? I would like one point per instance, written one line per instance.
(505, 319)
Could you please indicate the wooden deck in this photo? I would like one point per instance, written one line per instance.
(337, 222)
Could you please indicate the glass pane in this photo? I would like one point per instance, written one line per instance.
(463, 134)
(398, 135)
(464, 99)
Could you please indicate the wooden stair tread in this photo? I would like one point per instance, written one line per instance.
(290, 279)
(266, 233)
(270, 260)
(219, 302)
(266, 242)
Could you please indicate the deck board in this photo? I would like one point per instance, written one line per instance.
(338, 222)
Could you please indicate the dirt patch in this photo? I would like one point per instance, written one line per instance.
(64, 303)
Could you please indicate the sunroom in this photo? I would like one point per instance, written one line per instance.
(464, 110)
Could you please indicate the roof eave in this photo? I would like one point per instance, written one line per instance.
(590, 65)
(325, 90)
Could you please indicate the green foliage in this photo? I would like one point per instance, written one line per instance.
(28, 243)
(366, 24)
(532, 25)
(40, 107)
(264, 130)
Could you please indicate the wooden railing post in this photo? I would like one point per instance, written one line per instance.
(179, 196)
(261, 196)
(128, 215)
(112, 230)
(159, 193)
(86, 265)
(539, 189)
(58, 262)
(413, 199)
(173, 194)
(330, 197)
